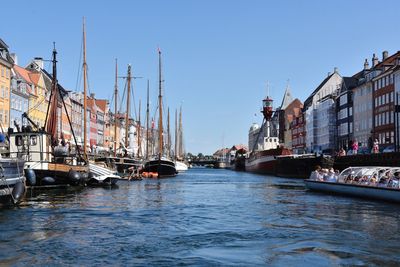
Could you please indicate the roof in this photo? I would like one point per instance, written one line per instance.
(23, 73)
(309, 99)
(35, 77)
(102, 104)
(348, 84)
(287, 98)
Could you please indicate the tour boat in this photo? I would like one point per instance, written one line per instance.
(12, 180)
(368, 182)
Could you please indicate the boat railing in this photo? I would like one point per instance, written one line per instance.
(371, 176)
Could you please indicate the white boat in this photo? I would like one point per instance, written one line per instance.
(100, 176)
(180, 166)
(369, 182)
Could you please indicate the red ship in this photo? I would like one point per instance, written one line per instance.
(264, 161)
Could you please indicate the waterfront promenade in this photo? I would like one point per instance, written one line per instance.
(203, 217)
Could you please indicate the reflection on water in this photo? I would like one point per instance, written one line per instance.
(203, 217)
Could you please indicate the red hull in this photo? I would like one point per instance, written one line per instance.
(264, 162)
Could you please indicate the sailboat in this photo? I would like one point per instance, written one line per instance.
(163, 166)
(179, 164)
(47, 160)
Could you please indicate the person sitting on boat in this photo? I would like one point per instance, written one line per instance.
(394, 181)
(331, 177)
(373, 180)
(316, 174)
(349, 178)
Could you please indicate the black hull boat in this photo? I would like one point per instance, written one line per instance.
(300, 166)
(163, 167)
(382, 183)
(12, 181)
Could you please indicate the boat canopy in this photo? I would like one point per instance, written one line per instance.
(368, 172)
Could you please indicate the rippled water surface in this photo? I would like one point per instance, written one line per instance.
(203, 217)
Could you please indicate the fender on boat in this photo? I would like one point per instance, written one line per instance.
(74, 177)
(30, 176)
(48, 180)
(18, 192)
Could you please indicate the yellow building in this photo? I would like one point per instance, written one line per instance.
(6, 64)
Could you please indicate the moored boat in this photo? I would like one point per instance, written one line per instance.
(368, 182)
(12, 180)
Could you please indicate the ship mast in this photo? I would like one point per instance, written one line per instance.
(176, 134)
(160, 125)
(147, 122)
(180, 133)
(84, 92)
(168, 136)
(138, 132)
(127, 108)
(115, 107)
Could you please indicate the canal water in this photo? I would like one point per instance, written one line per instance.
(203, 217)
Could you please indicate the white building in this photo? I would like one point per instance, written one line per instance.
(321, 101)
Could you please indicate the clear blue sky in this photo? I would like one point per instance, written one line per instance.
(217, 55)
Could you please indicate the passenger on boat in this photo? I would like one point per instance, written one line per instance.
(394, 181)
(373, 180)
(316, 174)
(330, 177)
(342, 152)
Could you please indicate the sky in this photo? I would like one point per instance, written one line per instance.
(217, 56)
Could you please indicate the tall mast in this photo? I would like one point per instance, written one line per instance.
(127, 107)
(176, 134)
(84, 92)
(160, 125)
(180, 133)
(115, 107)
(147, 121)
(138, 132)
(168, 137)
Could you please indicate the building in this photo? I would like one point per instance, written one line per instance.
(76, 115)
(344, 111)
(384, 100)
(298, 131)
(291, 112)
(6, 64)
(19, 97)
(321, 100)
(39, 98)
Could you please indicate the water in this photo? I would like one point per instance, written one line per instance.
(204, 217)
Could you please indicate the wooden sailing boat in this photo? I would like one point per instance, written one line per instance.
(163, 166)
(179, 158)
(123, 160)
(49, 161)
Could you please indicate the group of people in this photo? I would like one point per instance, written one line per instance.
(383, 178)
(323, 174)
(354, 148)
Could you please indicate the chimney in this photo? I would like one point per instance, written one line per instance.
(14, 58)
(39, 62)
(375, 60)
(385, 55)
(366, 64)
(92, 95)
(335, 70)
(329, 74)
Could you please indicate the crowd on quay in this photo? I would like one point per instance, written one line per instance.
(382, 177)
(354, 149)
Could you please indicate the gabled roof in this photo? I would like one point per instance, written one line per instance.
(309, 99)
(102, 104)
(35, 77)
(287, 98)
(348, 84)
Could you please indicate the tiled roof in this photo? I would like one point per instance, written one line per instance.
(23, 73)
(35, 77)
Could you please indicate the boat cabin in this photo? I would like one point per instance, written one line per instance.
(31, 146)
